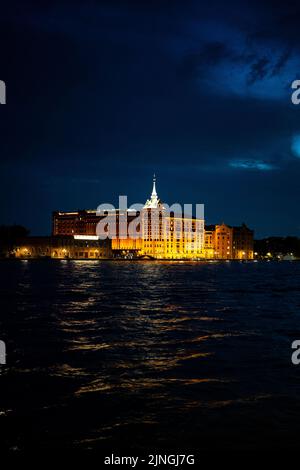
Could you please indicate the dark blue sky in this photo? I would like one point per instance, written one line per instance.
(102, 94)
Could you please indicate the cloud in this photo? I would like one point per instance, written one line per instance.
(252, 165)
(295, 146)
(209, 55)
(282, 61)
(258, 70)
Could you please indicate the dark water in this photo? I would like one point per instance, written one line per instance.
(124, 355)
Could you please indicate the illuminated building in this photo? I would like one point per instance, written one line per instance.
(223, 236)
(170, 235)
(85, 222)
(33, 247)
(226, 242)
(243, 244)
(77, 222)
(63, 247)
(159, 233)
(116, 225)
(209, 242)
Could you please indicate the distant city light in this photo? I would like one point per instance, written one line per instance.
(86, 237)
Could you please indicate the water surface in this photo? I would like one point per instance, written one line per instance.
(149, 355)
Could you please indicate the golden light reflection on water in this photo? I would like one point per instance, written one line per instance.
(136, 338)
(66, 370)
(139, 384)
(111, 351)
(82, 345)
(252, 399)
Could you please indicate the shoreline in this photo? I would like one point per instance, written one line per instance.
(152, 260)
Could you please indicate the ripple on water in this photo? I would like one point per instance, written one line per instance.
(158, 353)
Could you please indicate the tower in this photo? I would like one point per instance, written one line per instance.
(153, 225)
(154, 202)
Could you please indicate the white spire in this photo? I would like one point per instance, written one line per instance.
(154, 193)
(154, 202)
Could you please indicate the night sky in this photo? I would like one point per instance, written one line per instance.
(100, 95)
